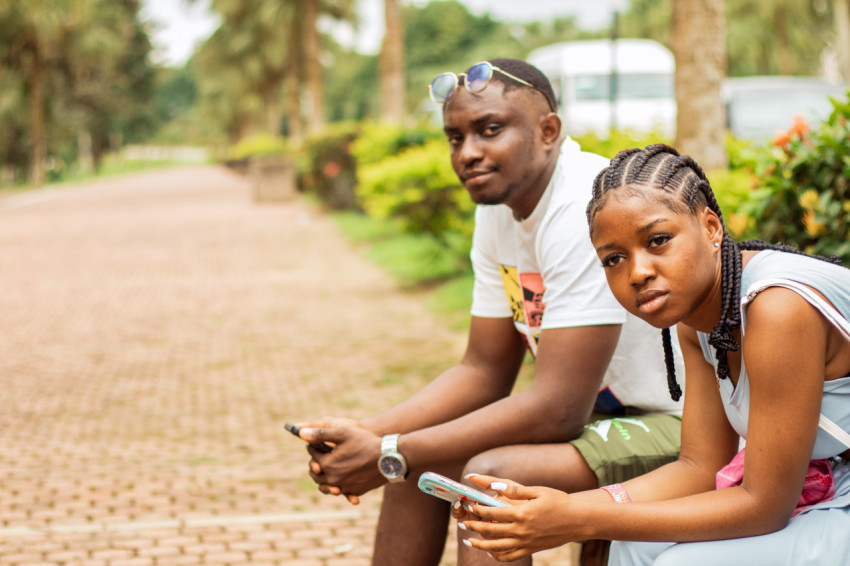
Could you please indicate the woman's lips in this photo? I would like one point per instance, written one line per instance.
(650, 301)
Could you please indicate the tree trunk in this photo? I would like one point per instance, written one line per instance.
(784, 57)
(85, 157)
(292, 83)
(391, 65)
(699, 46)
(37, 131)
(842, 25)
(313, 67)
(271, 99)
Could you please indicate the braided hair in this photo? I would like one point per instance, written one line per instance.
(685, 188)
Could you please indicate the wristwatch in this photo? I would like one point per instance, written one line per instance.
(392, 464)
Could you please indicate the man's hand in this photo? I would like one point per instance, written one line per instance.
(351, 468)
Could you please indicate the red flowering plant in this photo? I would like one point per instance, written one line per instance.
(803, 187)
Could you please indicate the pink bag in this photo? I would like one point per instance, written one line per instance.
(818, 486)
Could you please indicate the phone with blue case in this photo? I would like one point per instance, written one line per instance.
(450, 490)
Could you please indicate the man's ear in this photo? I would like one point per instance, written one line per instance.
(550, 127)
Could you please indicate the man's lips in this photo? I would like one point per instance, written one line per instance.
(473, 174)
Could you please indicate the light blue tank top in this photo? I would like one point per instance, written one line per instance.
(772, 269)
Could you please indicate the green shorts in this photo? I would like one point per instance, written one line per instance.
(621, 448)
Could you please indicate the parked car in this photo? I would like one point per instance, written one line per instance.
(582, 73)
(759, 107)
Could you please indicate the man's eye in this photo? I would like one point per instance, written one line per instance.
(611, 260)
(492, 129)
(454, 140)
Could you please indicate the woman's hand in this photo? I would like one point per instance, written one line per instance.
(538, 518)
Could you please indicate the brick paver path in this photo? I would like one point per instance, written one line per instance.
(157, 331)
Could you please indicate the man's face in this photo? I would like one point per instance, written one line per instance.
(495, 140)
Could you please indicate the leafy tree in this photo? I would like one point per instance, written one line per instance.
(176, 92)
(261, 46)
(444, 36)
(764, 37)
(350, 91)
(79, 66)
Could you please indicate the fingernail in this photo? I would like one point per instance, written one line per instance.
(308, 431)
(462, 526)
(467, 506)
(490, 555)
(467, 476)
(498, 486)
(456, 504)
(466, 542)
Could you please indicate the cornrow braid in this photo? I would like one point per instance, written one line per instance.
(661, 167)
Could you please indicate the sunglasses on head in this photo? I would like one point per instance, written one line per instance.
(476, 79)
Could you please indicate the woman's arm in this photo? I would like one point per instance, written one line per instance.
(708, 440)
(784, 354)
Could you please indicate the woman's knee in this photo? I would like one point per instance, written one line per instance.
(629, 553)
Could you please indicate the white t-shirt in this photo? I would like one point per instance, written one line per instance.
(543, 272)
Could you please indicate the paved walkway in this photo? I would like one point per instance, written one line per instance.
(157, 331)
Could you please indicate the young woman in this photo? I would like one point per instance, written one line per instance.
(765, 333)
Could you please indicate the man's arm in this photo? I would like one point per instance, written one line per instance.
(569, 370)
(485, 374)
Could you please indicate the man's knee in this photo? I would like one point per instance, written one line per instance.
(497, 462)
(553, 465)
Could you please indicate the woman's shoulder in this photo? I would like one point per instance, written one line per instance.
(778, 265)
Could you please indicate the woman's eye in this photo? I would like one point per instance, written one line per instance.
(455, 140)
(658, 240)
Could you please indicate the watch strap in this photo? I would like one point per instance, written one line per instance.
(389, 443)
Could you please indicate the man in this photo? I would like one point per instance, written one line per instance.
(531, 251)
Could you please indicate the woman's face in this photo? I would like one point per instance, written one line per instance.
(662, 266)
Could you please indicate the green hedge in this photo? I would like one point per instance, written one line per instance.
(793, 191)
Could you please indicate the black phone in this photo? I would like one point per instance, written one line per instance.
(323, 447)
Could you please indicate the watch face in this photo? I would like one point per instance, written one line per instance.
(391, 467)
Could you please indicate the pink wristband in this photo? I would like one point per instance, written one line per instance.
(618, 493)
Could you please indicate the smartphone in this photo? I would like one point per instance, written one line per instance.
(450, 490)
(323, 447)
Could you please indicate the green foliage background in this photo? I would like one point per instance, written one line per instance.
(99, 79)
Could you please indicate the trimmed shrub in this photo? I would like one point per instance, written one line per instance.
(327, 166)
(804, 187)
(419, 187)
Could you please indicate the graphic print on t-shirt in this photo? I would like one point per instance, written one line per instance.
(525, 295)
(510, 281)
(532, 295)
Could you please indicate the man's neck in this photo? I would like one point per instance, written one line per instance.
(524, 209)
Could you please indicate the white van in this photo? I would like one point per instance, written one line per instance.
(582, 73)
(758, 108)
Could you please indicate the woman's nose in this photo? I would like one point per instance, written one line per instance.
(642, 268)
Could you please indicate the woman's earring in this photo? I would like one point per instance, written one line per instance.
(716, 244)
